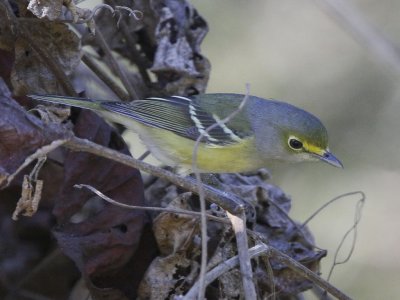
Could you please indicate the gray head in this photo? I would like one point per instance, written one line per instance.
(293, 134)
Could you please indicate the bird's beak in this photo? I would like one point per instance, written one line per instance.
(330, 159)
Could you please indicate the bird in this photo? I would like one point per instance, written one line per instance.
(262, 132)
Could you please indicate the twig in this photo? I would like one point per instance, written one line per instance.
(93, 65)
(229, 202)
(270, 272)
(41, 152)
(137, 14)
(225, 267)
(297, 267)
(115, 66)
(142, 63)
(91, 14)
(150, 208)
(239, 227)
(353, 21)
(357, 219)
(31, 187)
(200, 186)
(329, 203)
(307, 273)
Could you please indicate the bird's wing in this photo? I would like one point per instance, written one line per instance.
(181, 115)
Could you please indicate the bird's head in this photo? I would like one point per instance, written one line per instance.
(296, 135)
(305, 138)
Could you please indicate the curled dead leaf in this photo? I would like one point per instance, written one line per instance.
(30, 72)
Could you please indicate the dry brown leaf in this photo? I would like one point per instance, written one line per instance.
(177, 59)
(168, 276)
(30, 72)
(177, 236)
(174, 232)
(30, 198)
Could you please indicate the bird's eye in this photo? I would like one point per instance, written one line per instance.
(295, 144)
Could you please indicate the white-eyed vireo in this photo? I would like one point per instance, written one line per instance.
(262, 132)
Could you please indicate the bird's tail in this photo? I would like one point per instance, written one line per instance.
(71, 101)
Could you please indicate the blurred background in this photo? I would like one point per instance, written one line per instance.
(298, 52)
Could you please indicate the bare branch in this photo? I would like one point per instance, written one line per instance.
(329, 203)
(103, 76)
(41, 152)
(353, 228)
(225, 267)
(115, 66)
(307, 273)
(239, 227)
(298, 268)
(150, 208)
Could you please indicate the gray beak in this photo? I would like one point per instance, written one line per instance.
(330, 159)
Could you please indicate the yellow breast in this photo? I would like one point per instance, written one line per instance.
(177, 150)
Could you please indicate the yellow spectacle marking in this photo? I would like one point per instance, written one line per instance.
(313, 149)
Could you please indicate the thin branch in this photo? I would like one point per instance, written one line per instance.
(200, 187)
(41, 152)
(307, 273)
(137, 14)
(299, 269)
(270, 272)
(142, 63)
(353, 228)
(107, 80)
(350, 18)
(225, 267)
(239, 227)
(151, 208)
(329, 203)
(115, 65)
(90, 16)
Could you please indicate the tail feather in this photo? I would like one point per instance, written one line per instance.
(71, 101)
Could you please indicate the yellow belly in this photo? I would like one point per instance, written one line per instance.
(173, 149)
